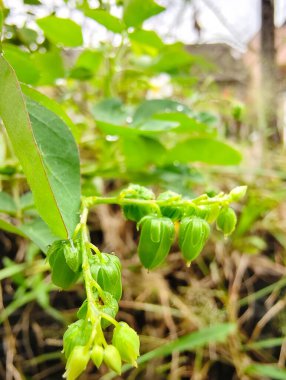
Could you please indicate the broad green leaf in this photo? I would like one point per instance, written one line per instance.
(61, 31)
(187, 124)
(50, 66)
(21, 62)
(149, 108)
(148, 40)
(9, 227)
(60, 160)
(27, 36)
(208, 335)
(106, 19)
(7, 203)
(47, 153)
(273, 372)
(32, 2)
(207, 150)
(39, 233)
(87, 64)
(110, 111)
(51, 105)
(135, 12)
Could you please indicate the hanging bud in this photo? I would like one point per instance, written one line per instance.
(173, 212)
(193, 234)
(106, 270)
(112, 358)
(126, 340)
(97, 355)
(208, 212)
(77, 334)
(136, 212)
(157, 235)
(237, 193)
(77, 362)
(226, 221)
(62, 274)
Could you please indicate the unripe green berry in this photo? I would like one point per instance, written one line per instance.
(237, 193)
(226, 221)
(112, 358)
(126, 340)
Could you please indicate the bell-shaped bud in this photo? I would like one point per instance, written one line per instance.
(136, 212)
(193, 234)
(226, 221)
(106, 270)
(77, 362)
(156, 238)
(96, 355)
(62, 274)
(208, 212)
(77, 334)
(126, 340)
(237, 193)
(112, 358)
(171, 211)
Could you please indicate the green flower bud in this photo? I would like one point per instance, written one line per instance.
(112, 358)
(208, 212)
(137, 212)
(106, 270)
(62, 274)
(77, 334)
(237, 193)
(77, 362)
(193, 234)
(126, 340)
(173, 212)
(226, 221)
(97, 355)
(157, 235)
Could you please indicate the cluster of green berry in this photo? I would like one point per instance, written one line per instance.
(157, 219)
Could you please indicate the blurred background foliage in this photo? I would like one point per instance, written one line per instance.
(149, 110)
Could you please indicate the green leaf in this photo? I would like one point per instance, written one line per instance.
(9, 227)
(7, 203)
(37, 231)
(173, 57)
(52, 172)
(110, 111)
(146, 41)
(87, 64)
(50, 65)
(190, 342)
(137, 11)
(22, 64)
(207, 150)
(51, 105)
(61, 31)
(264, 370)
(106, 19)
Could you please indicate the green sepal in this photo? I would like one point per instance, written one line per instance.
(77, 334)
(96, 355)
(106, 270)
(136, 212)
(173, 212)
(62, 275)
(156, 238)
(193, 234)
(126, 340)
(208, 212)
(105, 303)
(73, 254)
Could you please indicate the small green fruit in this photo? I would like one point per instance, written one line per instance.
(173, 212)
(97, 355)
(136, 212)
(77, 362)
